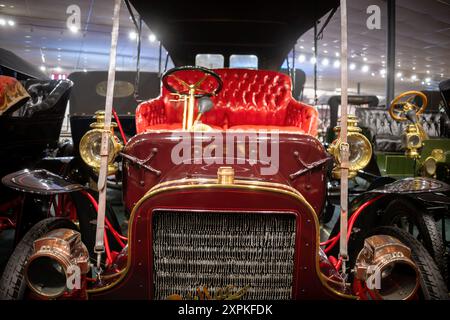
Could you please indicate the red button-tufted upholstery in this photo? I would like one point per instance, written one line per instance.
(250, 99)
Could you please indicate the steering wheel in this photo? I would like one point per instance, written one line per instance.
(198, 93)
(399, 108)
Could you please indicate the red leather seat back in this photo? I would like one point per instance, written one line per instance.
(248, 97)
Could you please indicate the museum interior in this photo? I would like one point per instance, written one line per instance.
(242, 150)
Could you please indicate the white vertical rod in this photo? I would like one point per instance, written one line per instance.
(343, 254)
(103, 172)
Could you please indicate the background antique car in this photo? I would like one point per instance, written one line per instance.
(425, 216)
(88, 96)
(227, 227)
(29, 137)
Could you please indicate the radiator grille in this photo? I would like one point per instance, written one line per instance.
(196, 249)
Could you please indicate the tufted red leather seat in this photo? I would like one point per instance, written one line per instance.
(249, 100)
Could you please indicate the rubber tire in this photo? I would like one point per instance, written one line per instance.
(427, 226)
(432, 283)
(12, 282)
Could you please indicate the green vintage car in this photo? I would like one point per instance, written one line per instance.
(412, 139)
(410, 146)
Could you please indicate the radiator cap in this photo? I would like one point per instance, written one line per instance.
(225, 175)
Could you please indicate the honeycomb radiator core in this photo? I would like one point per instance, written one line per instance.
(217, 249)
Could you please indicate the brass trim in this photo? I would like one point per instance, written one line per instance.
(197, 181)
(275, 188)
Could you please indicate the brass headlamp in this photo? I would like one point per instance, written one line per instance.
(90, 144)
(359, 146)
(429, 165)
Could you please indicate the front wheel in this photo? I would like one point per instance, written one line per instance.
(422, 226)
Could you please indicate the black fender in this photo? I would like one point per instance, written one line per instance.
(40, 187)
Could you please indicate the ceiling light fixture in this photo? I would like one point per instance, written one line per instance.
(73, 29)
(11, 23)
(413, 77)
(352, 66)
(152, 38)
(325, 62)
(2, 22)
(132, 35)
(312, 60)
(365, 68)
(336, 63)
(301, 58)
(42, 68)
(428, 80)
(399, 74)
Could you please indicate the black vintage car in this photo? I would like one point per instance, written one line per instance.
(30, 127)
(30, 138)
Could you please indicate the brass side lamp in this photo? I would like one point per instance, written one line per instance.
(359, 146)
(90, 144)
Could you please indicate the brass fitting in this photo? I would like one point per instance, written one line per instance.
(225, 175)
(54, 257)
(385, 266)
(99, 123)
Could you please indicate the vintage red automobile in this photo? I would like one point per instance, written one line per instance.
(224, 184)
